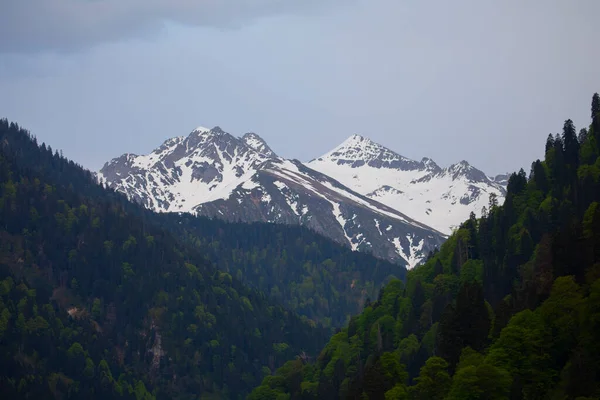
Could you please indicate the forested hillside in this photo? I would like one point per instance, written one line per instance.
(99, 301)
(509, 308)
(306, 272)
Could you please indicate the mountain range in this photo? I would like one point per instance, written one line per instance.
(360, 194)
(101, 297)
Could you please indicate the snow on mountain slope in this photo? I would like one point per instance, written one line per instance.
(257, 143)
(440, 198)
(185, 171)
(215, 174)
(285, 191)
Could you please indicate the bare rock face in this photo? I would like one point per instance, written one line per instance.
(214, 174)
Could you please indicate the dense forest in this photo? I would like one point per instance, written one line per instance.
(316, 277)
(98, 300)
(508, 308)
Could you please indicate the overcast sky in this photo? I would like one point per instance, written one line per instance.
(480, 80)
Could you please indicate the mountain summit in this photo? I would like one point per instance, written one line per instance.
(357, 151)
(257, 143)
(440, 198)
(185, 171)
(213, 173)
(360, 194)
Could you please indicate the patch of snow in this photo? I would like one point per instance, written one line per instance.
(337, 213)
(249, 185)
(290, 197)
(377, 225)
(280, 185)
(414, 256)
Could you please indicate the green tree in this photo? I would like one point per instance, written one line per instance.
(433, 382)
(523, 350)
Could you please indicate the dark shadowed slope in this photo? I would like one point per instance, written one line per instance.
(98, 301)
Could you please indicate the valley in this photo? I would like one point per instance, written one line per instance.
(383, 201)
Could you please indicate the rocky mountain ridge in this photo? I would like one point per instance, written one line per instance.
(212, 173)
(438, 197)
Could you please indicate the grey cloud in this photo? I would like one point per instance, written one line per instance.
(70, 25)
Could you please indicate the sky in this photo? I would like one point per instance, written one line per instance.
(480, 80)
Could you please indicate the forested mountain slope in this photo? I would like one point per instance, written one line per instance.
(509, 308)
(297, 267)
(99, 301)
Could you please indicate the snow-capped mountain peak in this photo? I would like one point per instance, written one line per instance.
(356, 147)
(358, 150)
(440, 198)
(201, 129)
(430, 165)
(465, 170)
(211, 172)
(361, 193)
(185, 171)
(203, 135)
(257, 143)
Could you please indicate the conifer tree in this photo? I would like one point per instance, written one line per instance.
(549, 144)
(571, 144)
(538, 175)
(583, 134)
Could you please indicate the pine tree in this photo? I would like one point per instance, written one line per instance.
(571, 144)
(596, 120)
(549, 144)
(583, 135)
(438, 268)
(517, 182)
(466, 324)
(538, 175)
